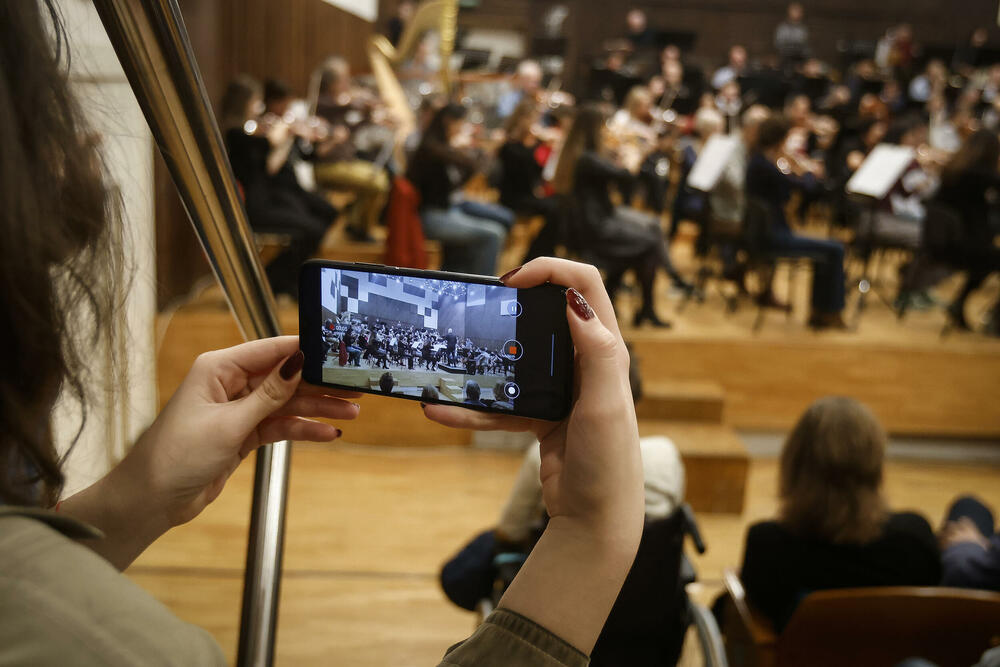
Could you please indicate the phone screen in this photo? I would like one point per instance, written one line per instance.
(433, 337)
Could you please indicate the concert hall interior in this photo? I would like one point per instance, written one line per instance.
(785, 219)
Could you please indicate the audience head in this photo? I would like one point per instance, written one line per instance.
(472, 390)
(979, 152)
(708, 121)
(277, 97)
(429, 393)
(529, 76)
(771, 133)
(831, 473)
(386, 383)
(242, 101)
(61, 273)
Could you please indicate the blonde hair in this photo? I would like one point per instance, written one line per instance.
(831, 473)
(636, 95)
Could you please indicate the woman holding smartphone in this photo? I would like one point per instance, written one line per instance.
(64, 600)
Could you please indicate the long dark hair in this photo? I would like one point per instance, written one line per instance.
(60, 249)
(584, 135)
(831, 473)
(980, 152)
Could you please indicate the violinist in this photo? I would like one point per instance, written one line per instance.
(259, 148)
(644, 144)
(339, 166)
(521, 178)
(771, 175)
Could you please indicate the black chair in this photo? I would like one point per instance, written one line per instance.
(649, 621)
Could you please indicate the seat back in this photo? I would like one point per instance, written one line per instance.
(647, 624)
(883, 626)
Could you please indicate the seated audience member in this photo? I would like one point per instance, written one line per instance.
(386, 383)
(521, 179)
(338, 165)
(526, 85)
(471, 242)
(834, 529)
(274, 201)
(733, 69)
(766, 182)
(969, 185)
(429, 393)
(473, 393)
(689, 203)
(619, 238)
(970, 546)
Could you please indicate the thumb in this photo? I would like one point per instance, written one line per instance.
(276, 390)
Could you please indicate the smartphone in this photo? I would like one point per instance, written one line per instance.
(436, 337)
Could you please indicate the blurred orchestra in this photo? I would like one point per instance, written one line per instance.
(446, 142)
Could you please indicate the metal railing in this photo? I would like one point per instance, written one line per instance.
(152, 44)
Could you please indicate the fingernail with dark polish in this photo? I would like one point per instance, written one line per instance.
(510, 274)
(292, 366)
(339, 433)
(423, 405)
(579, 304)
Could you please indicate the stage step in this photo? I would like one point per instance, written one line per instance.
(715, 462)
(684, 400)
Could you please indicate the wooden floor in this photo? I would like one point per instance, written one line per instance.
(368, 529)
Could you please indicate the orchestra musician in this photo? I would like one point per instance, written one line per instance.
(259, 148)
(618, 238)
(338, 165)
(521, 177)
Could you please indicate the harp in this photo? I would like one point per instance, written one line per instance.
(385, 59)
(151, 42)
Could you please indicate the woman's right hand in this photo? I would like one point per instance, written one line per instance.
(591, 470)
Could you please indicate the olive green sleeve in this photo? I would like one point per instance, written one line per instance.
(506, 638)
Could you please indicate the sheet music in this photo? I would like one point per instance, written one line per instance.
(880, 171)
(711, 162)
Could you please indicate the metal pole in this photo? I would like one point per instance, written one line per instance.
(152, 44)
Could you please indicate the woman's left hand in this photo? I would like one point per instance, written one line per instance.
(231, 402)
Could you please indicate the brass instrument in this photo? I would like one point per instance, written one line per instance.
(440, 15)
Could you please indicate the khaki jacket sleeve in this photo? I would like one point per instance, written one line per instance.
(506, 638)
(62, 604)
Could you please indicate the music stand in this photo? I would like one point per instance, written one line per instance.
(711, 162)
(871, 184)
